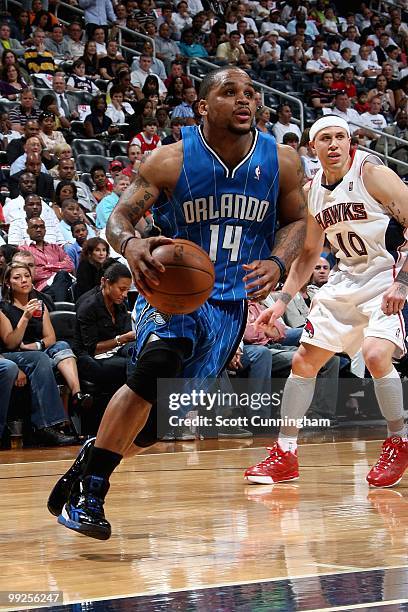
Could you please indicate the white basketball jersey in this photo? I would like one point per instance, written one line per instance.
(366, 239)
(311, 166)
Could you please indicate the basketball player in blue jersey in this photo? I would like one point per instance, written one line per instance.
(362, 208)
(226, 188)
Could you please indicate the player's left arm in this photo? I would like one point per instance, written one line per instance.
(263, 275)
(391, 192)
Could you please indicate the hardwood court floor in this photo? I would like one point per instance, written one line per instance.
(185, 519)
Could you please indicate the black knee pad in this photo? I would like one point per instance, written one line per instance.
(158, 359)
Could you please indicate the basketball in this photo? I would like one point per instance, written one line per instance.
(188, 280)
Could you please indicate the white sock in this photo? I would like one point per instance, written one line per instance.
(287, 443)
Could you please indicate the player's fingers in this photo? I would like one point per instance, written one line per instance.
(141, 285)
(254, 264)
(152, 262)
(148, 272)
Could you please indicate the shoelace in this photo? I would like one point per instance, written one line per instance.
(387, 455)
(274, 455)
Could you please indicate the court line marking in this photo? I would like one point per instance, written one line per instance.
(364, 606)
(186, 452)
(243, 582)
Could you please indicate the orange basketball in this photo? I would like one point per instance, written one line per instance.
(188, 280)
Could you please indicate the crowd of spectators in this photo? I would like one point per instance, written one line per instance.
(83, 100)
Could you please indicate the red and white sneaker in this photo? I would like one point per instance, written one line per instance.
(391, 464)
(280, 466)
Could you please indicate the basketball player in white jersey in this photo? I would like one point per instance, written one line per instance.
(361, 206)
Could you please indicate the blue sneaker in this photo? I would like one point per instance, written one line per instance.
(84, 513)
(62, 489)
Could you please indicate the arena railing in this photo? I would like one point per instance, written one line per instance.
(261, 86)
(386, 156)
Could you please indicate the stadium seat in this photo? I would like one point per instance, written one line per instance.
(88, 147)
(66, 306)
(80, 97)
(102, 85)
(85, 163)
(118, 147)
(63, 322)
(86, 178)
(77, 127)
(123, 158)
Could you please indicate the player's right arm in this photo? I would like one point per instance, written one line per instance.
(158, 172)
(300, 272)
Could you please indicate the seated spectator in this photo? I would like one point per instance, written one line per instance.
(66, 171)
(291, 139)
(317, 65)
(175, 93)
(52, 264)
(284, 124)
(70, 212)
(103, 334)
(14, 208)
(108, 64)
(57, 44)
(24, 112)
(35, 333)
(18, 235)
(386, 95)
(37, 59)
(296, 53)
(50, 137)
(78, 81)
(115, 168)
(108, 203)
(334, 55)
(342, 109)
(27, 259)
(64, 190)
(270, 47)
(10, 43)
(362, 106)
(103, 187)
(346, 59)
(118, 110)
(365, 66)
(347, 83)
(350, 41)
(177, 71)
(90, 58)
(61, 153)
(66, 107)
(176, 124)
(373, 119)
(47, 411)
(148, 138)
(97, 124)
(185, 109)
(21, 28)
(163, 120)
(166, 49)
(73, 249)
(36, 9)
(322, 96)
(263, 120)
(232, 52)
(94, 259)
(76, 47)
(44, 183)
(189, 47)
(310, 161)
(12, 83)
(7, 135)
(31, 146)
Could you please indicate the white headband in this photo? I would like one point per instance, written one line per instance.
(326, 122)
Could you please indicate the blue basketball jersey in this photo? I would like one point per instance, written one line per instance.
(231, 214)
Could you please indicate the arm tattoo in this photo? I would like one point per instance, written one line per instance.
(289, 241)
(284, 297)
(402, 278)
(395, 211)
(128, 212)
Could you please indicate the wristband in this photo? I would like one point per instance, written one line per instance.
(125, 243)
(38, 345)
(281, 265)
(118, 342)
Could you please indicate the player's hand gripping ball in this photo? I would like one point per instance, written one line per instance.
(188, 279)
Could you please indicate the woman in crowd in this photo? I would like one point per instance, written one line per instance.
(29, 328)
(175, 93)
(12, 83)
(49, 135)
(151, 87)
(144, 108)
(90, 58)
(9, 58)
(386, 94)
(94, 259)
(102, 186)
(21, 29)
(163, 119)
(65, 190)
(103, 336)
(78, 81)
(263, 120)
(97, 124)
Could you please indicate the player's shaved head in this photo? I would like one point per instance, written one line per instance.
(214, 78)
